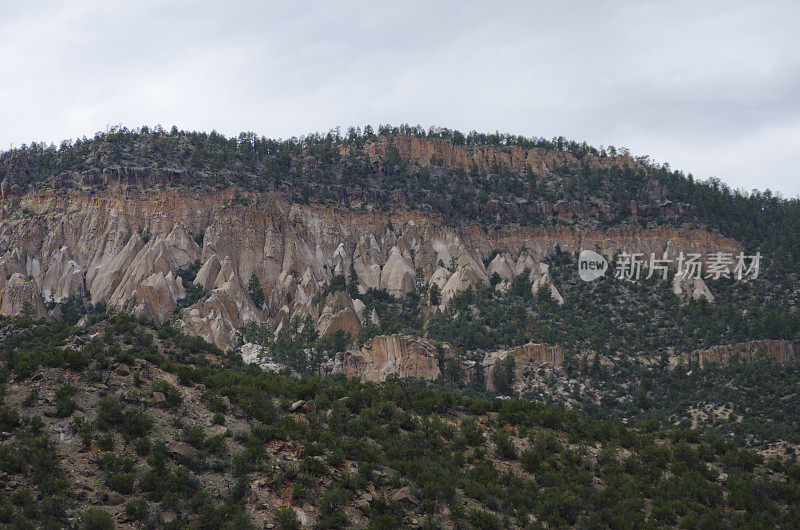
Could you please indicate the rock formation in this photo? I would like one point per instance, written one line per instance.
(397, 277)
(422, 151)
(546, 282)
(525, 357)
(401, 355)
(781, 351)
(691, 288)
(128, 247)
(17, 294)
(339, 313)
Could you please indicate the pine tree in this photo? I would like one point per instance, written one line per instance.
(352, 283)
(255, 290)
(434, 295)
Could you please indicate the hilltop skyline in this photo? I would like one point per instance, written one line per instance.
(710, 90)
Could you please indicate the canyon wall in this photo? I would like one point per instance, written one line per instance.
(125, 247)
(427, 151)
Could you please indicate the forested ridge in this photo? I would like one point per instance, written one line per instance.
(326, 167)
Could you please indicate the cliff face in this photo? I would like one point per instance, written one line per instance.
(400, 355)
(126, 247)
(526, 357)
(781, 351)
(426, 151)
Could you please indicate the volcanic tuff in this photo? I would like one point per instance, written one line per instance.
(125, 247)
(778, 350)
(401, 355)
(524, 356)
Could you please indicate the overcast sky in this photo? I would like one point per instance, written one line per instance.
(711, 88)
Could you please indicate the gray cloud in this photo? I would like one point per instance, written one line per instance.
(711, 88)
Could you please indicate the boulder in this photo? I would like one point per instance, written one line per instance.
(159, 399)
(405, 496)
(359, 307)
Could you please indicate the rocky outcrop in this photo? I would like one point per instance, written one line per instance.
(503, 267)
(380, 357)
(258, 355)
(781, 351)
(439, 278)
(525, 357)
(687, 288)
(339, 313)
(545, 282)
(126, 248)
(397, 276)
(18, 294)
(427, 150)
(459, 281)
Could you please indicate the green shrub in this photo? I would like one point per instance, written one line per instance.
(122, 482)
(106, 442)
(109, 413)
(83, 429)
(483, 520)
(97, 519)
(53, 507)
(65, 405)
(531, 459)
(171, 394)
(331, 509)
(137, 509)
(505, 447)
(22, 497)
(6, 513)
(195, 436)
(286, 519)
(20, 522)
(143, 446)
(35, 424)
(216, 444)
(113, 463)
(136, 424)
(9, 418)
(472, 433)
(12, 459)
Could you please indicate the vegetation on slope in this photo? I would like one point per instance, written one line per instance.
(610, 320)
(139, 424)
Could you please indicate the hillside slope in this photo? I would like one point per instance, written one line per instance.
(122, 423)
(427, 254)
